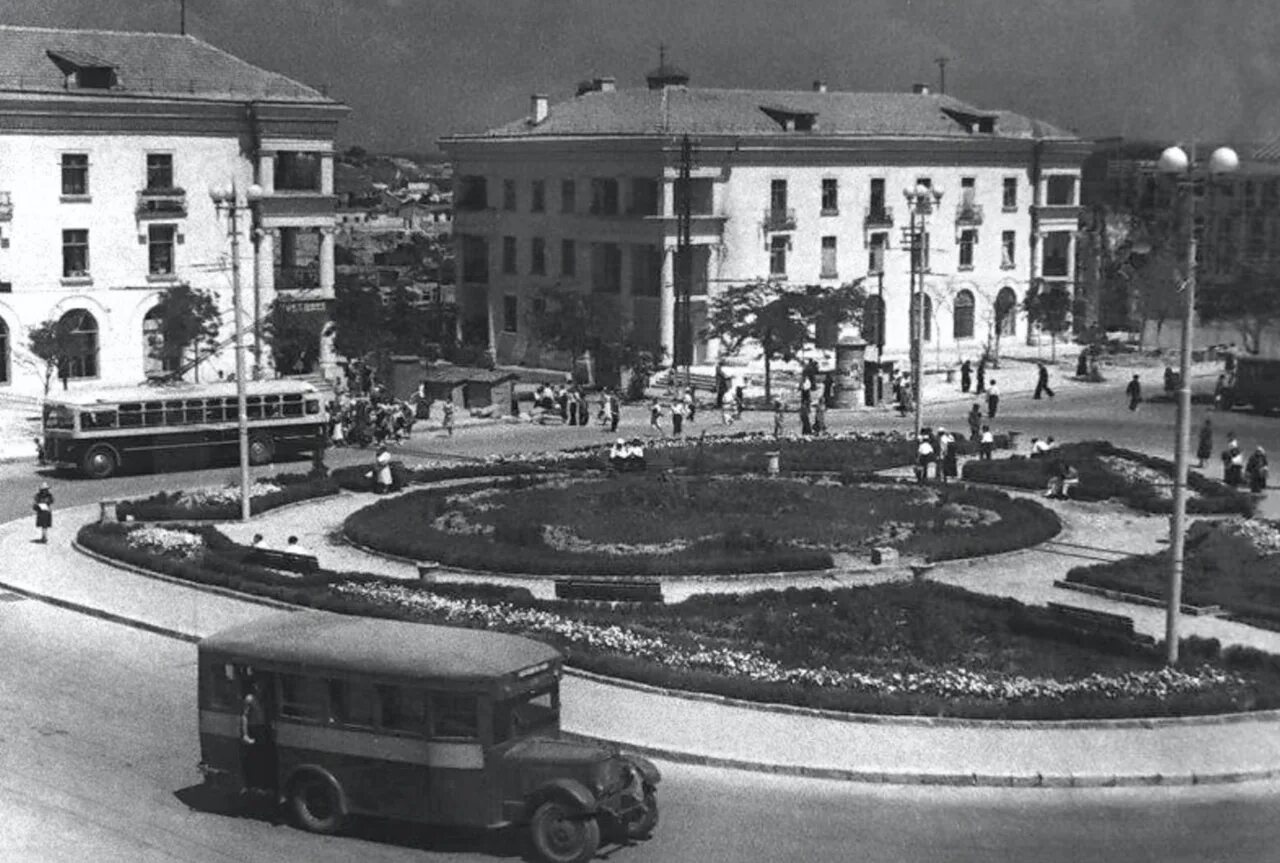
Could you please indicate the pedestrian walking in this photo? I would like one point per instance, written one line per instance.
(1042, 382)
(947, 467)
(924, 457)
(722, 385)
(966, 376)
(739, 401)
(677, 418)
(820, 417)
(993, 399)
(655, 416)
(982, 376)
(1204, 448)
(806, 422)
(828, 387)
(975, 422)
(986, 443)
(615, 411)
(43, 506)
(1232, 464)
(1256, 470)
(778, 418)
(1134, 392)
(447, 418)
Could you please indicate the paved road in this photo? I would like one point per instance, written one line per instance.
(98, 747)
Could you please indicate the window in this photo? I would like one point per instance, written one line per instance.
(604, 196)
(1057, 246)
(352, 703)
(877, 196)
(538, 197)
(606, 268)
(75, 174)
(646, 271)
(472, 193)
(778, 197)
(1010, 200)
(475, 259)
(402, 709)
(968, 190)
(968, 239)
(778, 255)
(1006, 311)
(508, 194)
(302, 697)
(924, 181)
(568, 196)
(699, 193)
(568, 258)
(510, 313)
(157, 361)
(1061, 190)
(927, 323)
(454, 715)
(644, 197)
(875, 259)
(830, 197)
(962, 323)
(75, 254)
(1008, 250)
(828, 258)
(159, 171)
(4, 352)
(509, 255)
(160, 240)
(873, 320)
(297, 171)
(538, 256)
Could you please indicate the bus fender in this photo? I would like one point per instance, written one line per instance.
(313, 771)
(570, 792)
(648, 771)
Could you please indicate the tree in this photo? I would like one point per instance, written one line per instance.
(578, 323)
(781, 322)
(53, 343)
(1250, 300)
(1049, 307)
(189, 319)
(293, 337)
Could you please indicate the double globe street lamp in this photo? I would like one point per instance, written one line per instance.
(228, 198)
(1175, 162)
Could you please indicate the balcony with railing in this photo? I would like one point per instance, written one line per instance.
(878, 217)
(162, 203)
(968, 213)
(298, 278)
(780, 219)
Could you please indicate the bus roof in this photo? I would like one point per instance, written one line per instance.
(156, 392)
(376, 646)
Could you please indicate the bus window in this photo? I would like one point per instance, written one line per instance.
(153, 413)
(301, 697)
(293, 405)
(525, 714)
(351, 703)
(313, 406)
(254, 407)
(58, 417)
(222, 686)
(105, 419)
(130, 415)
(215, 411)
(454, 716)
(402, 709)
(271, 406)
(193, 411)
(173, 413)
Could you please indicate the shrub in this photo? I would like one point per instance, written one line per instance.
(177, 506)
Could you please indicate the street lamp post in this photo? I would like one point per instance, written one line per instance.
(229, 199)
(1175, 161)
(921, 202)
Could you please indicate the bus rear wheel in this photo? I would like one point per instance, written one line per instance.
(563, 836)
(99, 462)
(261, 449)
(316, 806)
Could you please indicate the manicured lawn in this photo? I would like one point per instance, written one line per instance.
(696, 524)
(1234, 564)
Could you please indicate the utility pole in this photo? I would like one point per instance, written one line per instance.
(182, 19)
(942, 73)
(684, 261)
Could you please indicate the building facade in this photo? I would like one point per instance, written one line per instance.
(799, 188)
(109, 145)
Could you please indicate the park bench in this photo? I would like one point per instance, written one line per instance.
(609, 589)
(286, 560)
(1088, 620)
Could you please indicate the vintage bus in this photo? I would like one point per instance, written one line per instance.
(102, 431)
(431, 724)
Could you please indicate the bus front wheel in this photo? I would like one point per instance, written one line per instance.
(316, 806)
(99, 462)
(561, 835)
(261, 449)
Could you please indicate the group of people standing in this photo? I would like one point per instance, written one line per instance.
(1236, 469)
(939, 450)
(570, 401)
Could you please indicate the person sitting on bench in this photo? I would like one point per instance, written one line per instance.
(1065, 477)
(295, 547)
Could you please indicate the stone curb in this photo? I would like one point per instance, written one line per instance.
(99, 613)
(1136, 598)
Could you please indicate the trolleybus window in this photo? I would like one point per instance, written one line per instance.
(153, 413)
(402, 709)
(302, 697)
(105, 419)
(195, 410)
(223, 685)
(454, 716)
(351, 703)
(130, 415)
(173, 413)
(59, 417)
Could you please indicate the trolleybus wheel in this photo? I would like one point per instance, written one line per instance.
(99, 462)
(315, 805)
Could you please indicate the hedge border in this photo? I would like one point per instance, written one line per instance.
(295, 488)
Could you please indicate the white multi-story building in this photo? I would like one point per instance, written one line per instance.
(109, 145)
(798, 187)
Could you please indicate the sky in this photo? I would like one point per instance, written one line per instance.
(415, 70)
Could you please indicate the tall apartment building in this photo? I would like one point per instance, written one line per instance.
(109, 145)
(797, 187)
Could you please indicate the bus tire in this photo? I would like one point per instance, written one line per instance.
(99, 462)
(562, 835)
(261, 449)
(316, 805)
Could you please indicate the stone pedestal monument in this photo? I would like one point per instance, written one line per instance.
(848, 383)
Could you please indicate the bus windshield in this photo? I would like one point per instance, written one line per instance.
(526, 713)
(59, 417)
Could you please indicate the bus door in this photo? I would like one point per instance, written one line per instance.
(459, 790)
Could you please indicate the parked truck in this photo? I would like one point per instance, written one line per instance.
(1256, 383)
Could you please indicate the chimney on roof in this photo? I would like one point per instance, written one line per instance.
(920, 89)
(606, 84)
(538, 108)
(819, 86)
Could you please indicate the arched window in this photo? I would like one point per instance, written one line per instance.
(157, 362)
(962, 322)
(1006, 311)
(81, 329)
(927, 329)
(873, 321)
(4, 352)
